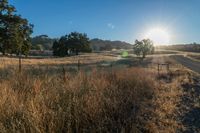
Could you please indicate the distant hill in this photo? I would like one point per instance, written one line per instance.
(42, 41)
(101, 45)
(194, 47)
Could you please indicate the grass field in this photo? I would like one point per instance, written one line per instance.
(107, 94)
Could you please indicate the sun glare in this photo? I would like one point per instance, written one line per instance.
(159, 36)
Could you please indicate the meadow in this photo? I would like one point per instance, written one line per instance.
(53, 95)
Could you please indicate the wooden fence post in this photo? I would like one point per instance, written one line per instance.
(64, 73)
(158, 68)
(78, 65)
(168, 67)
(20, 63)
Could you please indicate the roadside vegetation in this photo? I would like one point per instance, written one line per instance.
(101, 101)
(63, 102)
(108, 99)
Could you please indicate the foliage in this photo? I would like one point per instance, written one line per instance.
(39, 47)
(60, 47)
(143, 47)
(15, 31)
(73, 43)
(78, 42)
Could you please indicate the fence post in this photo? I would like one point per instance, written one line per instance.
(64, 73)
(20, 63)
(158, 68)
(78, 65)
(168, 67)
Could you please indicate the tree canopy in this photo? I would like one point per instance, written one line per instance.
(143, 47)
(73, 43)
(15, 31)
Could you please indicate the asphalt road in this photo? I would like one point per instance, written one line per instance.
(187, 62)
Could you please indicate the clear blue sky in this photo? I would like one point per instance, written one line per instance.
(124, 20)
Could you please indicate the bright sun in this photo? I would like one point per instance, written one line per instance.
(159, 36)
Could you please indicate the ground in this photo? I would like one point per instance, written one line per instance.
(175, 105)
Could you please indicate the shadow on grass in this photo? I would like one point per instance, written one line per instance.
(192, 120)
(133, 62)
(191, 117)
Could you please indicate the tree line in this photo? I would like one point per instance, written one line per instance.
(15, 31)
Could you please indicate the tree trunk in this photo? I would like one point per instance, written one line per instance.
(67, 52)
(77, 52)
(3, 52)
(143, 55)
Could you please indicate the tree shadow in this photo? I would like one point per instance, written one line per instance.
(134, 62)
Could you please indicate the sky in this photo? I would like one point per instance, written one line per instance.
(125, 20)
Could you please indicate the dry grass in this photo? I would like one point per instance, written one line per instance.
(100, 102)
(129, 100)
(194, 56)
(158, 51)
(84, 58)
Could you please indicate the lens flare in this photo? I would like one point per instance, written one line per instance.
(159, 36)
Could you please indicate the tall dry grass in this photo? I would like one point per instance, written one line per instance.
(101, 101)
